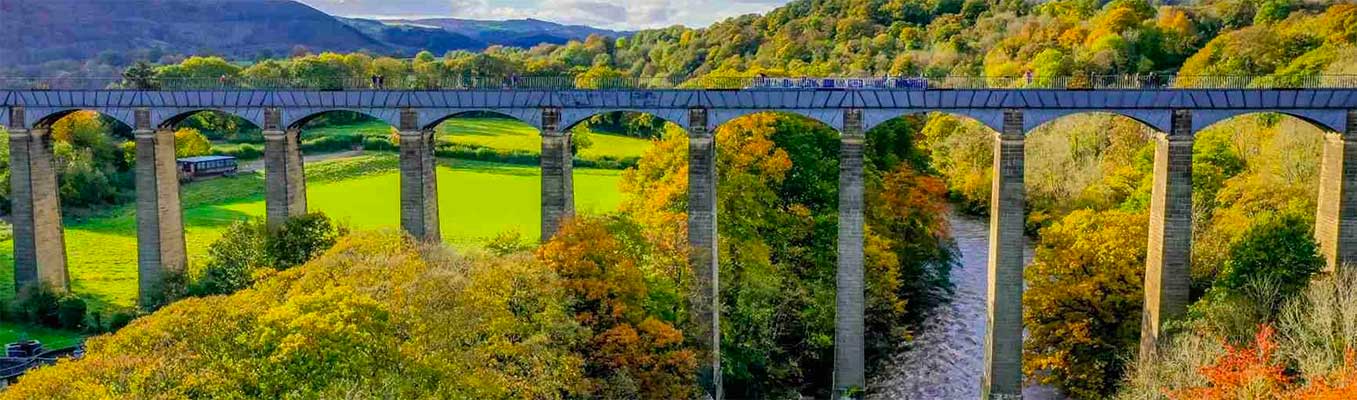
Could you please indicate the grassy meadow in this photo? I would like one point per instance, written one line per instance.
(477, 200)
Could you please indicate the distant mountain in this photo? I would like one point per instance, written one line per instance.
(517, 33)
(36, 31)
(411, 39)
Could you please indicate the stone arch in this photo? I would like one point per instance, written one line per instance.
(992, 118)
(1325, 120)
(574, 116)
(296, 118)
(436, 116)
(831, 117)
(45, 118)
(169, 118)
(1160, 120)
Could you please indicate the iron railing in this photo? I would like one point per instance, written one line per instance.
(1077, 82)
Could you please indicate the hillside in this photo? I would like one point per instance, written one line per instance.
(517, 33)
(45, 30)
(409, 39)
(116, 32)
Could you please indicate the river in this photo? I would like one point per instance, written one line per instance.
(946, 358)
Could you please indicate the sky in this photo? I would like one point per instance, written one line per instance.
(616, 14)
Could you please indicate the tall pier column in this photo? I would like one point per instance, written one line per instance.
(39, 245)
(702, 250)
(160, 218)
(419, 181)
(1336, 219)
(1170, 242)
(284, 179)
(558, 188)
(849, 296)
(1003, 332)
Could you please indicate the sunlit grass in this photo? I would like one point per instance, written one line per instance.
(508, 134)
(50, 338)
(476, 201)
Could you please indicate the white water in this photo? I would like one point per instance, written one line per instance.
(946, 358)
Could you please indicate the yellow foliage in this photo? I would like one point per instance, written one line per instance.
(377, 316)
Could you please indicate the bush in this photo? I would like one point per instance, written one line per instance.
(118, 319)
(46, 307)
(243, 152)
(231, 259)
(71, 313)
(301, 239)
(377, 143)
(248, 246)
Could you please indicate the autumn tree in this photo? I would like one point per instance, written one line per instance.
(1083, 301)
(189, 142)
(631, 353)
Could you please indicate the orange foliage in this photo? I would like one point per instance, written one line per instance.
(1243, 373)
(607, 290)
(1341, 386)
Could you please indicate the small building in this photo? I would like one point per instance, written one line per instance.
(191, 168)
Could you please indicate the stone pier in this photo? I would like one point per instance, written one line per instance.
(284, 179)
(419, 180)
(39, 246)
(558, 188)
(702, 249)
(850, 375)
(1336, 219)
(1002, 378)
(160, 219)
(1169, 256)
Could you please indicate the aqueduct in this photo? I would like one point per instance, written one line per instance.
(1175, 113)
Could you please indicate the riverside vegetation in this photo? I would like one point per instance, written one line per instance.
(621, 278)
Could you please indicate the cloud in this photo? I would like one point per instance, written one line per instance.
(632, 14)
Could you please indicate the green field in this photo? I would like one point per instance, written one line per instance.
(476, 201)
(496, 133)
(50, 338)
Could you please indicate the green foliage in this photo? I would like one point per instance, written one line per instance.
(232, 259)
(249, 248)
(300, 239)
(45, 307)
(1277, 248)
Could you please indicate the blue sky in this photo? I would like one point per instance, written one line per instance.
(615, 14)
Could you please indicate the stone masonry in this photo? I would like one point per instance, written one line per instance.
(849, 369)
(1002, 378)
(160, 220)
(284, 179)
(702, 249)
(558, 188)
(419, 181)
(1169, 254)
(1336, 219)
(39, 244)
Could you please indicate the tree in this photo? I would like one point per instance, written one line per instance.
(232, 259)
(140, 76)
(380, 316)
(1083, 301)
(300, 239)
(632, 353)
(189, 142)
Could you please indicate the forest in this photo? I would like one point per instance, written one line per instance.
(600, 310)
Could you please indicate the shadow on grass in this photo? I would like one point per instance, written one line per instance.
(485, 127)
(489, 167)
